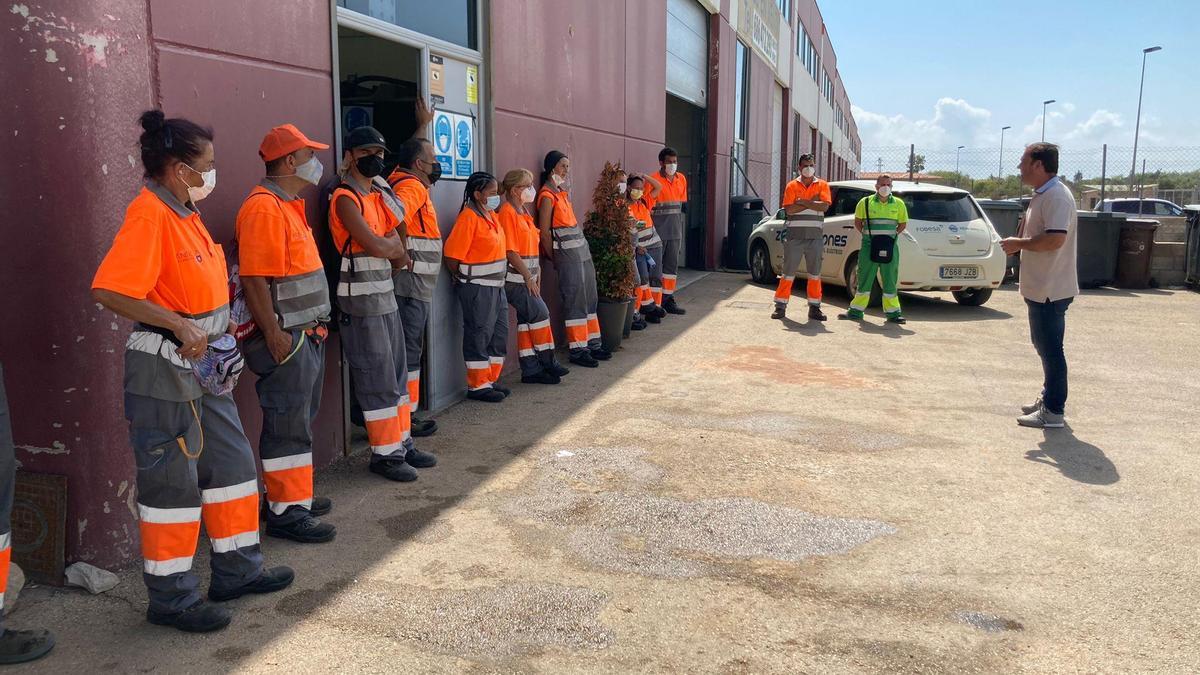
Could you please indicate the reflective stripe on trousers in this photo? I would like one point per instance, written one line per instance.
(414, 315)
(8, 476)
(535, 339)
(175, 489)
(485, 333)
(373, 347)
(888, 274)
(577, 287)
(290, 396)
(807, 244)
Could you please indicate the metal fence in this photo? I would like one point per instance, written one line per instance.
(756, 174)
(1094, 173)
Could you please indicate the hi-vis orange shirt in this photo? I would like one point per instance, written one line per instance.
(564, 215)
(163, 253)
(422, 218)
(476, 240)
(520, 234)
(674, 188)
(374, 210)
(818, 191)
(274, 239)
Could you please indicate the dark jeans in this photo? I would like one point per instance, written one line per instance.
(1047, 324)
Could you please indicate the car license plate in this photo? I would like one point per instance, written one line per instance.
(957, 272)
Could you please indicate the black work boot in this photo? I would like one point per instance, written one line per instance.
(779, 313)
(558, 369)
(307, 530)
(23, 646)
(601, 354)
(582, 359)
(489, 395)
(422, 428)
(202, 617)
(543, 377)
(320, 506)
(394, 469)
(502, 389)
(272, 579)
(420, 460)
(815, 313)
(671, 307)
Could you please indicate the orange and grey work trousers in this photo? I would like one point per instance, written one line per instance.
(373, 347)
(535, 339)
(289, 393)
(801, 244)
(193, 462)
(577, 284)
(485, 332)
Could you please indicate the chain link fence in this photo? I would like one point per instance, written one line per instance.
(1093, 173)
(757, 174)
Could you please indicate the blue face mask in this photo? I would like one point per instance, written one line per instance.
(493, 202)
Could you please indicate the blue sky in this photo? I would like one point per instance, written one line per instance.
(943, 73)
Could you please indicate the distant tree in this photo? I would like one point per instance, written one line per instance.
(1078, 177)
(916, 164)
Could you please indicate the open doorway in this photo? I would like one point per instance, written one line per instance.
(379, 84)
(686, 134)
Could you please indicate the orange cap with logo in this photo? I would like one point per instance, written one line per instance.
(284, 140)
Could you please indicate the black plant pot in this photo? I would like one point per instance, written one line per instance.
(612, 322)
(629, 312)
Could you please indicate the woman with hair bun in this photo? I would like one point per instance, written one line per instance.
(562, 238)
(475, 255)
(165, 273)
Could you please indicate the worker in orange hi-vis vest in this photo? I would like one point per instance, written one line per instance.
(804, 201)
(165, 273)
(287, 294)
(669, 217)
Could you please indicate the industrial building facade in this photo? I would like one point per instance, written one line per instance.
(739, 87)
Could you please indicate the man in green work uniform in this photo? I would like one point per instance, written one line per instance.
(880, 218)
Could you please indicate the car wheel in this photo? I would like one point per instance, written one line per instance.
(760, 264)
(972, 297)
(851, 277)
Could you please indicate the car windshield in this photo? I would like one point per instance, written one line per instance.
(952, 207)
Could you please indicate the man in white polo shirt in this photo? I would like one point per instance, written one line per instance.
(1048, 278)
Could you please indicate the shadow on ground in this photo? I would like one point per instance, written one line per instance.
(1075, 459)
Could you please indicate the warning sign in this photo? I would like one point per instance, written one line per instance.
(473, 85)
(464, 147)
(443, 141)
(437, 79)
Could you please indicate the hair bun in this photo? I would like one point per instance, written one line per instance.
(153, 120)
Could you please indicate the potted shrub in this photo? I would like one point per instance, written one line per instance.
(607, 231)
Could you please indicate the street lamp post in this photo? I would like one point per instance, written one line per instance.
(957, 158)
(1000, 176)
(1044, 104)
(1137, 125)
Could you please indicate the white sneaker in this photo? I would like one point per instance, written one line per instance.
(1041, 419)
(1033, 407)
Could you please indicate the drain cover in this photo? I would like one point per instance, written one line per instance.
(39, 526)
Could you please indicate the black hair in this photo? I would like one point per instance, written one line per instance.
(667, 152)
(1047, 154)
(476, 183)
(276, 164)
(163, 140)
(552, 159)
(632, 177)
(806, 157)
(409, 151)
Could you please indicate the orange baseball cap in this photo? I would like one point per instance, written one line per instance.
(284, 140)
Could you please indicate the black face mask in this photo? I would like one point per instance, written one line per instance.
(435, 173)
(369, 166)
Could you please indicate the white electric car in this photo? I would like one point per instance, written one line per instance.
(950, 245)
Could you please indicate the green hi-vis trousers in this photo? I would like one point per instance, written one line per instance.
(888, 273)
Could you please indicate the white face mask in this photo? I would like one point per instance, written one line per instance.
(493, 202)
(808, 172)
(210, 183)
(559, 180)
(311, 171)
(527, 195)
(621, 188)
(884, 192)
(671, 169)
